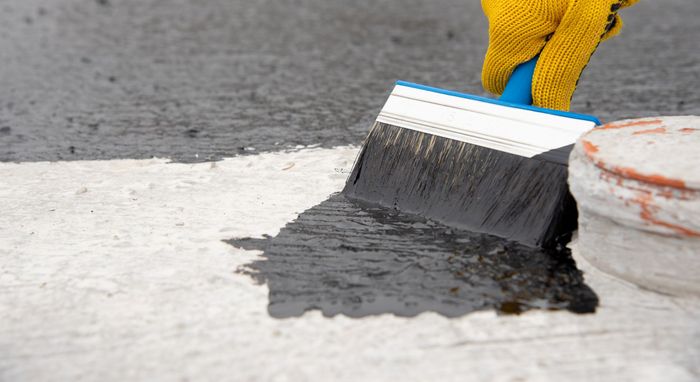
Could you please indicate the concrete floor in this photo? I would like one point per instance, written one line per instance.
(120, 270)
(201, 79)
(115, 266)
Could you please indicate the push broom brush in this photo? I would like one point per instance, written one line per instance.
(492, 166)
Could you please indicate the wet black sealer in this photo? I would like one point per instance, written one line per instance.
(349, 257)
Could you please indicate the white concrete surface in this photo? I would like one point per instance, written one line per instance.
(637, 187)
(115, 270)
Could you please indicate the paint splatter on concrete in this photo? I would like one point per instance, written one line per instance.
(352, 258)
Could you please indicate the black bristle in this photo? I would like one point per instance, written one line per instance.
(469, 186)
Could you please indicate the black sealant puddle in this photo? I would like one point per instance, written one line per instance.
(348, 257)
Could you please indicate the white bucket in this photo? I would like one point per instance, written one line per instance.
(637, 184)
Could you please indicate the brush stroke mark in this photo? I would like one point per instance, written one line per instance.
(356, 259)
(250, 244)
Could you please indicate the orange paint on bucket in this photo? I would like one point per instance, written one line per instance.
(660, 180)
(645, 201)
(659, 130)
(589, 147)
(630, 124)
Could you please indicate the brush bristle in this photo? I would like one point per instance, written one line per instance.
(469, 186)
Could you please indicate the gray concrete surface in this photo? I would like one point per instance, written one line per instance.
(117, 270)
(195, 80)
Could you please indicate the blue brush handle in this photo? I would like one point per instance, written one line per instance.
(519, 87)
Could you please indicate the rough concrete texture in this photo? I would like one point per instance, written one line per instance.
(637, 186)
(195, 79)
(117, 270)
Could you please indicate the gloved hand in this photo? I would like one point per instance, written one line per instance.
(569, 31)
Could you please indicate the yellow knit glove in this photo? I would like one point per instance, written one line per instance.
(564, 32)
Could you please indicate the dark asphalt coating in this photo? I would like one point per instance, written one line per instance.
(196, 80)
(348, 257)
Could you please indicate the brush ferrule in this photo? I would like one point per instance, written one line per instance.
(524, 131)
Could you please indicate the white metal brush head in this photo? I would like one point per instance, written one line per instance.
(527, 131)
